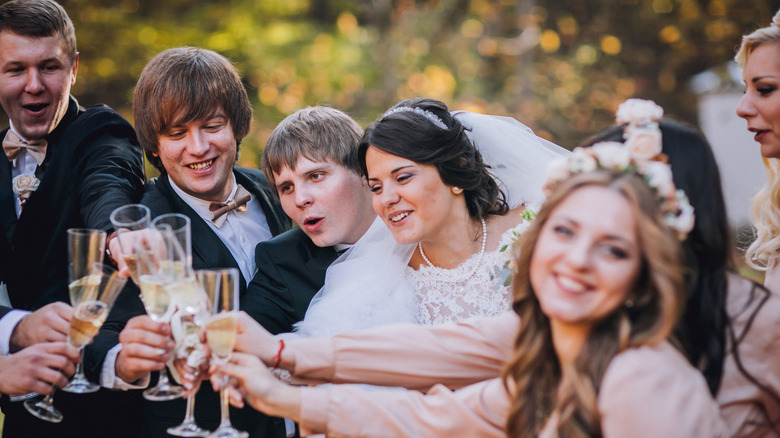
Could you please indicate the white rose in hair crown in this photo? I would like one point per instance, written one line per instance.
(640, 154)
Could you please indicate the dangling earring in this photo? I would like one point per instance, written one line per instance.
(457, 190)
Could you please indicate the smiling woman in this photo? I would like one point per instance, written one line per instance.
(597, 291)
(436, 252)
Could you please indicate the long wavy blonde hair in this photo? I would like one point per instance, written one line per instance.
(534, 372)
(765, 208)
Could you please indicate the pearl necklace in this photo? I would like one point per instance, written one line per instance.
(481, 254)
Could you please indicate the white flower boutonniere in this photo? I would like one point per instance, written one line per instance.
(24, 185)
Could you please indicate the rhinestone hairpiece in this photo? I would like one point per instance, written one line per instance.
(433, 118)
(640, 154)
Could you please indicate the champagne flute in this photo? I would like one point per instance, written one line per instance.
(180, 278)
(152, 253)
(88, 317)
(207, 282)
(221, 332)
(85, 247)
(127, 220)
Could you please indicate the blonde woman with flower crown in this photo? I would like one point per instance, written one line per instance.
(759, 60)
(597, 291)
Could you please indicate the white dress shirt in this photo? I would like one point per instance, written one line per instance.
(23, 163)
(240, 233)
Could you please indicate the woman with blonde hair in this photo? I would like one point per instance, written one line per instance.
(759, 60)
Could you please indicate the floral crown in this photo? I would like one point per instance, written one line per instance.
(640, 154)
(433, 118)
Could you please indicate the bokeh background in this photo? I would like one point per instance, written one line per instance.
(560, 66)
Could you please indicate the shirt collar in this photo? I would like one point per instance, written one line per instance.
(201, 206)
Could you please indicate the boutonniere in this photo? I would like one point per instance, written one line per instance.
(24, 185)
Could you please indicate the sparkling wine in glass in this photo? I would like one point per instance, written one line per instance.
(129, 222)
(88, 316)
(221, 331)
(85, 248)
(190, 353)
(152, 254)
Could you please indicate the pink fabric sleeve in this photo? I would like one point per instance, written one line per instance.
(348, 411)
(755, 320)
(412, 356)
(653, 392)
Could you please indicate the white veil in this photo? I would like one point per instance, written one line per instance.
(367, 286)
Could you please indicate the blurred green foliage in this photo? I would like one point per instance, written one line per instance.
(560, 66)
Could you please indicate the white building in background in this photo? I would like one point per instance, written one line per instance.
(738, 155)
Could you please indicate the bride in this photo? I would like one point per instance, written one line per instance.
(449, 192)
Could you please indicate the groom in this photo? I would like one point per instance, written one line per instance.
(311, 160)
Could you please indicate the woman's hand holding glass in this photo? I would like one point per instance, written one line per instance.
(221, 333)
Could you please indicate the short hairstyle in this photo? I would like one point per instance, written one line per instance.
(183, 85)
(38, 19)
(319, 133)
(414, 136)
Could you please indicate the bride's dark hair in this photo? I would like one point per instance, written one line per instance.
(416, 137)
(534, 373)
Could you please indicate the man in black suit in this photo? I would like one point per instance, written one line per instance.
(311, 160)
(191, 131)
(66, 167)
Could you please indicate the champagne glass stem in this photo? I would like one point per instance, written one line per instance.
(224, 402)
(80, 366)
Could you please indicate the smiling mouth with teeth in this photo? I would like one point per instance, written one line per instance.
(399, 217)
(201, 166)
(570, 284)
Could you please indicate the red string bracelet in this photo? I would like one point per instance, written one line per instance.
(277, 360)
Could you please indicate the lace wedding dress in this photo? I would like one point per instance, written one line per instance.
(475, 288)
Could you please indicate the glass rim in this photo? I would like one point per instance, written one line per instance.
(160, 220)
(146, 216)
(85, 231)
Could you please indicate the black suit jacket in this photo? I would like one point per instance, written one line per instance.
(290, 270)
(93, 164)
(208, 251)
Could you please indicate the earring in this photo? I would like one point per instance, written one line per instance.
(457, 190)
(629, 303)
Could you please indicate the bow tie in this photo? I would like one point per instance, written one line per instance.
(12, 144)
(219, 209)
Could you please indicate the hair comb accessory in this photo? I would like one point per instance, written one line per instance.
(433, 118)
(640, 154)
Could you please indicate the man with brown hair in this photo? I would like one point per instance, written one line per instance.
(66, 167)
(192, 112)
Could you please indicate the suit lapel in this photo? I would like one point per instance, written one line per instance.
(275, 224)
(318, 259)
(7, 207)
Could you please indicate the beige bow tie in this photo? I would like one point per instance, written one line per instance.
(219, 209)
(12, 144)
